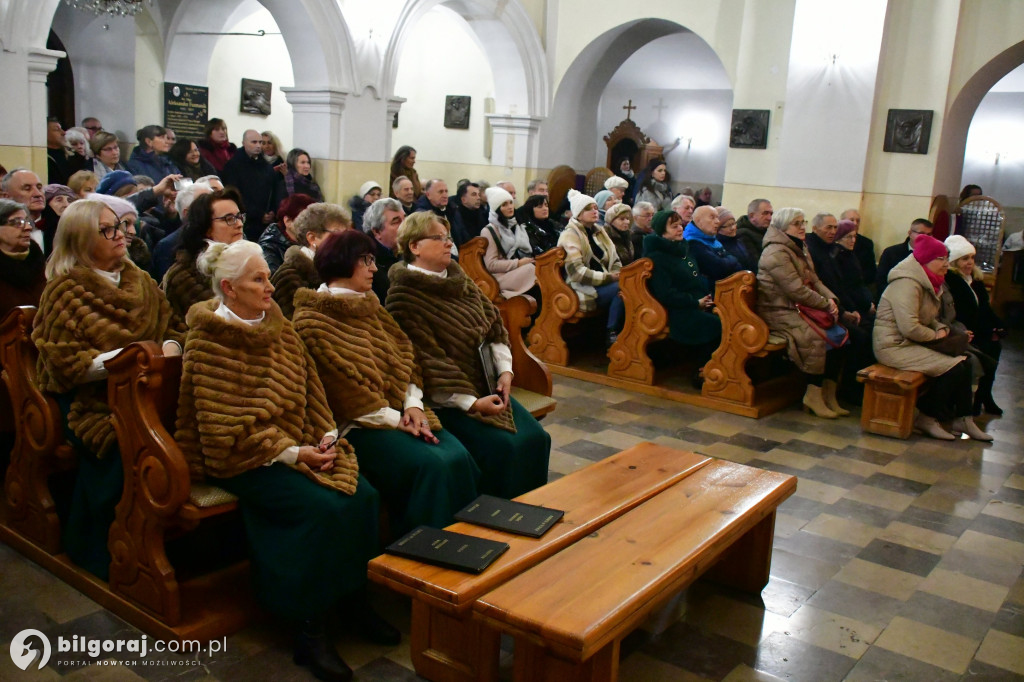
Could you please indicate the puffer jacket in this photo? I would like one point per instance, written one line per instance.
(579, 262)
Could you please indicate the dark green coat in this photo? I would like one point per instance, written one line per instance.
(678, 285)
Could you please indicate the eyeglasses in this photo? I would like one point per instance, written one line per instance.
(913, 231)
(799, 223)
(368, 259)
(232, 219)
(94, 129)
(110, 231)
(443, 238)
(18, 222)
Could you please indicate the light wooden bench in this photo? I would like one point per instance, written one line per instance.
(889, 399)
(646, 320)
(559, 306)
(569, 614)
(446, 644)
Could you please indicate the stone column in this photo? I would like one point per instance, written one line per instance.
(514, 142)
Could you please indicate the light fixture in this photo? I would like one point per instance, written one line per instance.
(117, 8)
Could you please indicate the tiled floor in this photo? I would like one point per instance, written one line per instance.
(895, 560)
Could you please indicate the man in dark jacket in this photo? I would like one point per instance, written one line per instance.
(897, 252)
(750, 228)
(381, 222)
(864, 248)
(468, 204)
(261, 187)
(435, 200)
(713, 261)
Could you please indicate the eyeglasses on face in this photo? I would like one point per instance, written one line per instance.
(799, 223)
(368, 259)
(232, 219)
(443, 238)
(18, 222)
(110, 231)
(94, 129)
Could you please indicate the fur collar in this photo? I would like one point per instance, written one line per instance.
(338, 307)
(456, 284)
(201, 318)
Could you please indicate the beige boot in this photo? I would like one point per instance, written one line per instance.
(814, 401)
(967, 425)
(828, 391)
(929, 426)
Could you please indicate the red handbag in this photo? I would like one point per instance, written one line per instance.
(822, 322)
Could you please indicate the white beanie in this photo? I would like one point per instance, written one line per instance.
(579, 201)
(120, 207)
(367, 187)
(958, 247)
(496, 196)
(615, 181)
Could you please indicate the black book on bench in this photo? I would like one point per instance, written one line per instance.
(515, 517)
(445, 548)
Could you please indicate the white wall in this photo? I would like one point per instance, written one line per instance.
(997, 129)
(149, 74)
(442, 57)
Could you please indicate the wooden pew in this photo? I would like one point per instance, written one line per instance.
(39, 447)
(445, 642)
(561, 305)
(646, 320)
(744, 336)
(569, 613)
(531, 383)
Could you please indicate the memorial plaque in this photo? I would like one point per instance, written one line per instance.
(186, 109)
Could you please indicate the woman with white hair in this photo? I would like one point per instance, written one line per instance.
(509, 254)
(786, 282)
(617, 186)
(253, 416)
(95, 303)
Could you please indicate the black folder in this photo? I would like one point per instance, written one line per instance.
(514, 517)
(445, 548)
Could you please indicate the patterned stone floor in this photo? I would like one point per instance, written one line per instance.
(895, 560)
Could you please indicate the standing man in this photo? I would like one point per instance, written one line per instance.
(92, 124)
(58, 165)
(25, 187)
(863, 248)
(261, 187)
(382, 221)
(537, 186)
(750, 228)
(897, 252)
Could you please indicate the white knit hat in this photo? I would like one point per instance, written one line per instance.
(958, 247)
(367, 187)
(615, 181)
(496, 196)
(579, 201)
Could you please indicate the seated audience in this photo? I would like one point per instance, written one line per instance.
(971, 191)
(83, 321)
(643, 214)
(402, 190)
(733, 246)
(165, 249)
(311, 227)
(369, 192)
(537, 186)
(854, 294)
(469, 203)
(655, 188)
(450, 323)
(402, 165)
(149, 158)
(897, 253)
(185, 155)
(535, 217)
(83, 183)
(966, 285)
(61, 162)
(618, 220)
(676, 283)
(128, 216)
(76, 141)
(786, 278)
(751, 228)
(704, 197)
(864, 248)
(58, 198)
(118, 184)
(251, 400)
(435, 200)
(280, 236)
(215, 146)
(382, 221)
(298, 178)
(261, 187)
(684, 206)
(617, 186)
(592, 264)
(22, 263)
(908, 320)
(507, 186)
(701, 234)
(367, 364)
(92, 124)
(106, 152)
(604, 200)
(509, 254)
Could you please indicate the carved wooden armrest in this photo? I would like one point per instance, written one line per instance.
(530, 373)
(736, 304)
(471, 259)
(555, 292)
(645, 320)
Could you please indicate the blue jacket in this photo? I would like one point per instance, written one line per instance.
(714, 261)
(152, 164)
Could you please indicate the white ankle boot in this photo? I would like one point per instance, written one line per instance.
(814, 401)
(929, 426)
(967, 425)
(828, 391)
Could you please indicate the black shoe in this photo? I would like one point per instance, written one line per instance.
(361, 619)
(314, 651)
(992, 408)
(612, 337)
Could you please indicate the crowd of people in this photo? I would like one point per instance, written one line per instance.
(336, 359)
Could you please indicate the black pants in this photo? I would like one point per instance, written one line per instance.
(948, 395)
(835, 359)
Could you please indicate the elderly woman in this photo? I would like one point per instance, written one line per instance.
(297, 271)
(655, 188)
(592, 264)
(679, 286)
(423, 474)
(280, 236)
(369, 192)
(106, 152)
(966, 285)
(535, 217)
(785, 280)
(254, 418)
(617, 223)
(77, 142)
(185, 155)
(907, 319)
(461, 348)
(95, 303)
(402, 165)
(83, 183)
(21, 260)
(214, 217)
(733, 246)
(215, 147)
(298, 179)
(509, 254)
(604, 200)
(617, 186)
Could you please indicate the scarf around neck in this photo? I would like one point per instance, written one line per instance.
(692, 233)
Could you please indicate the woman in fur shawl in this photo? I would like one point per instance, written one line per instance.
(252, 414)
(95, 303)
(368, 368)
(462, 351)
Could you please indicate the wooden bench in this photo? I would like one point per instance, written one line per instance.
(889, 399)
(646, 320)
(744, 336)
(531, 383)
(39, 447)
(560, 306)
(569, 613)
(446, 643)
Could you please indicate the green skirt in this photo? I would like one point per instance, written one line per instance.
(308, 544)
(420, 483)
(511, 463)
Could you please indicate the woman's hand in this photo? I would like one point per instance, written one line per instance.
(613, 276)
(833, 309)
(315, 459)
(414, 422)
(705, 303)
(524, 261)
(941, 334)
(970, 336)
(504, 387)
(171, 349)
(489, 405)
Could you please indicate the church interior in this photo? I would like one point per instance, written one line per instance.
(896, 558)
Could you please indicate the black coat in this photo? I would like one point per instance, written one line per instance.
(261, 187)
(752, 238)
(274, 243)
(891, 257)
(853, 294)
(972, 306)
(358, 206)
(865, 250)
(385, 259)
(739, 251)
(715, 264)
(459, 232)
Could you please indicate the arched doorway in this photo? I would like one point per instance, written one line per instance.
(60, 85)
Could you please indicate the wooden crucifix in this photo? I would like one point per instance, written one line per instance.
(629, 109)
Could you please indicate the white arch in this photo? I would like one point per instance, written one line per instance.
(570, 132)
(26, 23)
(513, 48)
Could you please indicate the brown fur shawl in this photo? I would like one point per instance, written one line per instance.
(81, 315)
(296, 272)
(365, 360)
(248, 392)
(447, 319)
(184, 285)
